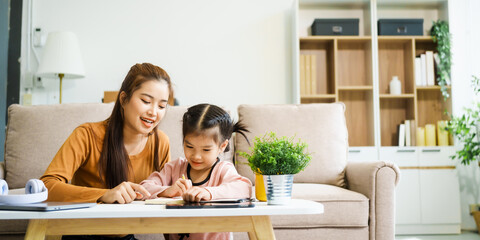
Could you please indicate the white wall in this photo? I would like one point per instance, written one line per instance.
(216, 51)
(464, 21)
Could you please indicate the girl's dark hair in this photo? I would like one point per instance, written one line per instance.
(114, 161)
(202, 117)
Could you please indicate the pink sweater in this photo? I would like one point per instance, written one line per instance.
(224, 182)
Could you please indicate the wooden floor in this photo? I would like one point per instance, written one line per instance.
(464, 236)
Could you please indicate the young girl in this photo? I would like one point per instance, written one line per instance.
(105, 161)
(201, 175)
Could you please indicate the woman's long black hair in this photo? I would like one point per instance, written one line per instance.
(114, 162)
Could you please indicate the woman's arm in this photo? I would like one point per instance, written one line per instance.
(65, 164)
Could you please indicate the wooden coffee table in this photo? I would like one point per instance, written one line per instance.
(108, 219)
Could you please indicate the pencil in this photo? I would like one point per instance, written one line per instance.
(183, 176)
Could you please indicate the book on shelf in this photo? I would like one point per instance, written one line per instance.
(413, 138)
(308, 75)
(430, 135)
(302, 74)
(423, 71)
(407, 133)
(430, 69)
(313, 76)
(401, 135)
(418, 72)
(420, 136)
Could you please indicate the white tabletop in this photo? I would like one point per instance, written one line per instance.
(139, 209)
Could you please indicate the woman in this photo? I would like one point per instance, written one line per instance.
(105, 161)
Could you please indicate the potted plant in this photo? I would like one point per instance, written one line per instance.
(466, 129)
(277, 159)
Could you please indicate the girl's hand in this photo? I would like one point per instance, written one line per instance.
(177, 189)
(124, 192)
(196, 194)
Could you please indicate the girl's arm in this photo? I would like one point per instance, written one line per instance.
(168, 182)
(66, 162)
(229, 184)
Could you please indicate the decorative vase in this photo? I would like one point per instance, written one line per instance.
(395, 86)
(279, 189)
(260, 194)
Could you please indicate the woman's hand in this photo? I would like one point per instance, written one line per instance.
(124, 192)
(196, 194)
(177, 189)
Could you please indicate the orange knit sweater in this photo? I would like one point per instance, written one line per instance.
(77, 162)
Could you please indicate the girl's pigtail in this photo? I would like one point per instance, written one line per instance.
(240, 128)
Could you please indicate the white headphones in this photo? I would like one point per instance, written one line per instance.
(35, 191)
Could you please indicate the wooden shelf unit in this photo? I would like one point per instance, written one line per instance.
(344, 68)
(343, 73)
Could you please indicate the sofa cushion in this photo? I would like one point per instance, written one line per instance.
(342, 208)
(321, 126)
(35, 133)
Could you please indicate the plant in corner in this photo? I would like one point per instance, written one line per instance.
(277, 159)
(441, 35)
(466, 128)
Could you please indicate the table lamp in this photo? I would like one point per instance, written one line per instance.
(61, 58)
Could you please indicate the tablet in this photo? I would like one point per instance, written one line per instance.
(245, 204)
(46, 206)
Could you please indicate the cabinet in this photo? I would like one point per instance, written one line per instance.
(428, 195)
(357, 70)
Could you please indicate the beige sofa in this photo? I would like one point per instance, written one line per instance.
(358, 197)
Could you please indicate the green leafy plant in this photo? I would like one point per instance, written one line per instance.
(441, 35)
(466, 129)
(276, 156)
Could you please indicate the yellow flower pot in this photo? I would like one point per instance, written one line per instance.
(260, 188)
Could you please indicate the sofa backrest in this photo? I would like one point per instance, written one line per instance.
(35, 133)
(321, 126)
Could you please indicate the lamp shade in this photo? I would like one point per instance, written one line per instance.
(61, 56)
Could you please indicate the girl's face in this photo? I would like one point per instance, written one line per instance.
(146, 107)
(201, 150)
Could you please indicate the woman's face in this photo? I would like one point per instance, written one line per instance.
(146, 107)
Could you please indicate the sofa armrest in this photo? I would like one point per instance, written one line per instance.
(2, 170)
(377, 181)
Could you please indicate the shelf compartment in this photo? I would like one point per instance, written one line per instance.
(431, 107)
(424, 44)
(392, 96)
(354, 62)
(309, 10)
(429, 10)
(359, 117)
(323, 49)
(393, 112)
(395, 58)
